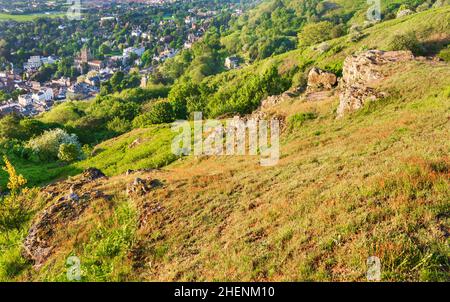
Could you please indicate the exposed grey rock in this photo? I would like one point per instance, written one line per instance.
(360, 72)
(404, 12)
(91, 174)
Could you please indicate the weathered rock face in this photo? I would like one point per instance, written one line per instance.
(405, 12)
(72, 197)
(319, 79)
(360, 73)
(37, 245)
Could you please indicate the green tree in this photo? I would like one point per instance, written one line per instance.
(314, 33)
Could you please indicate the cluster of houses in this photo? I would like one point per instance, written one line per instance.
(36, 98)
(36, 62)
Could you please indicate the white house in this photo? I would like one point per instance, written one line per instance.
(45, 94)
(232, 62)
(138, 51)
(25, 100)
(35, 62)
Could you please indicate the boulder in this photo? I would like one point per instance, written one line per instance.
(361, 72)
(319, 79)
(92, 174)
(38, 244)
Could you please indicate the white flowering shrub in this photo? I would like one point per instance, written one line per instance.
(47, 146)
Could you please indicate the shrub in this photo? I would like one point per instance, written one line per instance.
(407, 41)
(118, 125)
(444, 54)
(159, 113)
(68, 152)
(299, 119)
(315, 33)
(47, 146)
(13, 209)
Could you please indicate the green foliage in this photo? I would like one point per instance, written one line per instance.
(119, 125)
(68, 152)
(444, 54)
(47, 146)
(10, 127)
(315, 33)
(299, 119)
(159, 113)
(407, 41)
(119, 81)
(242, 96)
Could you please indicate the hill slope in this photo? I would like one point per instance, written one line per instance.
(373, 183)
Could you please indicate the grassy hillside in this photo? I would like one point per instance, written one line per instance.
(432, 28)
(373, 183)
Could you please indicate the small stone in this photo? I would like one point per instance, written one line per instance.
(73, 197)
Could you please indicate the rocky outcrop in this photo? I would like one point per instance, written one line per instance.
(404, 12)
(360, 74)
(92, 174)
(319, 79)
(38, 244)
(72, 197)
(140, 187)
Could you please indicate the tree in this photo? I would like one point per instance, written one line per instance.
(104, 49)
(47, 145)
(116, 81)
(314, 33)
(10, 127)
(159, 113)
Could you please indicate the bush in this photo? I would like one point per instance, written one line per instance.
(315, 33)
(444, 54)
(68, 152)
(13, 208)
(407, 41)
(159, 113)
(299, 119)
(118, 125)
(47, 146)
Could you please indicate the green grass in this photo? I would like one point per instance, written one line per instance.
(30, 17)
(152, 150)
(103, 250)
(113, 157)
(374, 183)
